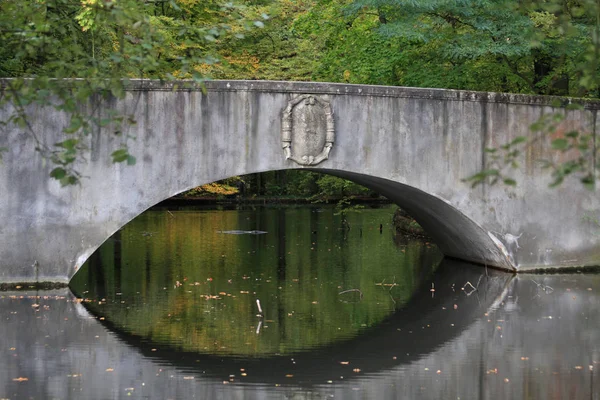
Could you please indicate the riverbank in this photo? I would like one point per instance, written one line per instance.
(263, 200)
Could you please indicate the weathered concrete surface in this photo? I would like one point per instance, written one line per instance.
(412, 145)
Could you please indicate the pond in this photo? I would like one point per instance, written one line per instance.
(296, 302)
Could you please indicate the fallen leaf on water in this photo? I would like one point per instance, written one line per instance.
(109, 369)
(289, 376)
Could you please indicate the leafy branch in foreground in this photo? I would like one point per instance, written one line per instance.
(103, 43)
(576, 147)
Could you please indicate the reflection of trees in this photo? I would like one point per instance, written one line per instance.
(296, 270)
(424, 324)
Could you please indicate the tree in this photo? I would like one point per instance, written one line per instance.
(542, 47)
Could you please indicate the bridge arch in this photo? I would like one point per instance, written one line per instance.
(455, 234)
(414, 146)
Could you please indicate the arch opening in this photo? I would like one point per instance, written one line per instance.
(455, 234)
(169, 268)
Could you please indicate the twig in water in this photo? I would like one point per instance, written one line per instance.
(258, 327)
(260, 312)
(393, 283)
(473, 288)
(170, 213)
(390, 285)
(352, 290)
(546, 289)
(479, 281)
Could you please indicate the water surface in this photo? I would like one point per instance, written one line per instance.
(167, 309)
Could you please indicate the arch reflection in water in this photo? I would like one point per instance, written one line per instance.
(175, 279)
(426, 322)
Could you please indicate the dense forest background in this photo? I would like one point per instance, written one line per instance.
(548, 47)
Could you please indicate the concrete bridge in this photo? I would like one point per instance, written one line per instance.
(412, 145)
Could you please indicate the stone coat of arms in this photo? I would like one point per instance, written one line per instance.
(307, 130)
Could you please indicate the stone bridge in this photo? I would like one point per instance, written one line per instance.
(414, 146)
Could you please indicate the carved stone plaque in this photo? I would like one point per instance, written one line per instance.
(307, 130)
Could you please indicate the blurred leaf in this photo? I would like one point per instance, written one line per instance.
(58, 173)
(560, 144)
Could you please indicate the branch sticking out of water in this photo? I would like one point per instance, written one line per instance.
(473, 288)
(390, 285)
(546, 289)
(352, 290)
(260, 311)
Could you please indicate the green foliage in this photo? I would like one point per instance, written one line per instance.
(275, 51)
(498, 45)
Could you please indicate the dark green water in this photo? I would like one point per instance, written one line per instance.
(192, 278)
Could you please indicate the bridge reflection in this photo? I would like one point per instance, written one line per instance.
(439, 311)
